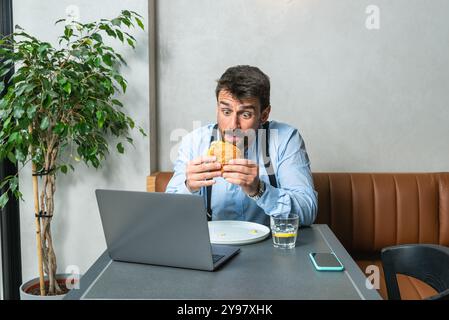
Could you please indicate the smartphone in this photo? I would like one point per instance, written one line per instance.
(326, 261)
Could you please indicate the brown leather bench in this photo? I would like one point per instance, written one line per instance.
(370, 211)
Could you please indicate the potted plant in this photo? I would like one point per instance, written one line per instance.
(60, 107)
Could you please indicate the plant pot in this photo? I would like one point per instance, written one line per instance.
(26, 287)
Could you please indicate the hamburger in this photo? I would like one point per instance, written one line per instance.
(224, 151)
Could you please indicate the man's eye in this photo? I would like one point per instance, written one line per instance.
(226, 112)
(247, 115)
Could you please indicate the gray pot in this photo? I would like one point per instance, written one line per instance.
(35, 282)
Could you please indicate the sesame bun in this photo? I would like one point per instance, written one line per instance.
(224, 151)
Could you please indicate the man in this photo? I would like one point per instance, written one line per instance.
(247, 189)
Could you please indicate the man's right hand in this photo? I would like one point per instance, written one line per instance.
(200, 170)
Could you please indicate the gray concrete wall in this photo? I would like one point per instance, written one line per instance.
(364, 100)
(77, 227)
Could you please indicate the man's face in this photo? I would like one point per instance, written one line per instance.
(237, 118)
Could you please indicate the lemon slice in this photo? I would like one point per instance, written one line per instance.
(284, 235)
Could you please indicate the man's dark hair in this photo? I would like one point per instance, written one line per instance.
(245, 82)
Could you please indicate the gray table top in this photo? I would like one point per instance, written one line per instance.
(259, 271)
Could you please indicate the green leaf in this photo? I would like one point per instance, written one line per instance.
(131, 43)
(64, 169)
(106, 84)
(21, 89)
(13, 137)
(140, 23)
(4, 182)
(68, 31)
(67, 87)
(121, 81)
(18, 194)
(76, 53)
(19, 155)
(120, 148)
(12, 157)
(116, 102)
(116, 22)
(136, 14)
(3, 104)
(45, 123)
(4, 200)
(107, 59)
(142, 132)
(7, 123)
(97, 61)
(131, 122)
(2, 86)
(119, 35)
(18, 112)
(53, 94)
(62, 80)
(93, 151)
(100, 118)
(31, 111)
(109, 31)
(59, 128)
(118, 55)
(90, 104)
(126, 13)
(47, 101)
(97, 37)
(126, 21)
(43, 47)
(4, 72)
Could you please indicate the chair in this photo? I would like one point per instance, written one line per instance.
(426, 262)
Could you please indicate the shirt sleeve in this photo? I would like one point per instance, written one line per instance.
(295, 192)
(177, 182)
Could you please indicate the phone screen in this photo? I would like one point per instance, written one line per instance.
(326, 260)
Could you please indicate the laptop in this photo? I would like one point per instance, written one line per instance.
(160, 229)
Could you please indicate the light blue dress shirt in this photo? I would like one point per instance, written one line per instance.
(290, 163)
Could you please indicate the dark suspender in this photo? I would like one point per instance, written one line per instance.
(267, 164)
(209, 188)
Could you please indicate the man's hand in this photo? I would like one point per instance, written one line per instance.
(200, 169)
(244, 173)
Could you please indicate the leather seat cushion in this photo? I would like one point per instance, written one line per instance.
(410, 288)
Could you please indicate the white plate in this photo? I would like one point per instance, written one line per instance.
(236, 232)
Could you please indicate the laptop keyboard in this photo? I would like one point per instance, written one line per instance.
(216, 257)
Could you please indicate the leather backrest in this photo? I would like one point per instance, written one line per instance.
(370, 211)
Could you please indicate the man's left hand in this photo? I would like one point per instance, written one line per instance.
(244, 173)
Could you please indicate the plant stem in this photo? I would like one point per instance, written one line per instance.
(38, 225)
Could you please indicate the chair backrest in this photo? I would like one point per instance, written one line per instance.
(428, 263)
(370, 211)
